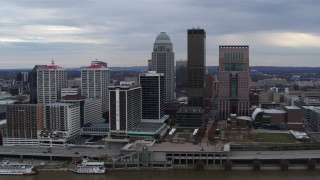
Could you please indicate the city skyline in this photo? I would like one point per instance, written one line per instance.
(279, 33)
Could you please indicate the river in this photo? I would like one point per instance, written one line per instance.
(173, 175)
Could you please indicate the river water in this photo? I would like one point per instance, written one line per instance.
(173, 175)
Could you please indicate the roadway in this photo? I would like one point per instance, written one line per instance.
(292, 154)
(58, 151)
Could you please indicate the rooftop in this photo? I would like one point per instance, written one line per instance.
(147, 128)
(292, 107)
(162, 38)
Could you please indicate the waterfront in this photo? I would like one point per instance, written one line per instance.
(174, 175)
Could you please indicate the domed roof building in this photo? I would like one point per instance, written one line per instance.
(163, 38)
(163, 62)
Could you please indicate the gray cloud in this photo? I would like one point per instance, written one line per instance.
(123, 32)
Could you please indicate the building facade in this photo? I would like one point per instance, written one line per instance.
(50, 80)
(34, 84)
(181, 76)
(190, 117)
(233, 94)
(196, 67)
(163, 62)
(124, 109)
(69, 91)
(61, 124)
(24, 121)
(153, 96)
(94, 84)
(90, 109)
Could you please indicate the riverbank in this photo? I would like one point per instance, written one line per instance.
(174, 175)
(45, 165)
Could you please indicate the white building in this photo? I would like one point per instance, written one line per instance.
(94, 83)
(163, 62)
(61, 124)
(69, 91)
(50, 80)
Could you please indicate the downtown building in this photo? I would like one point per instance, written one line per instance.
(233, 96)
(24, 122)
(94, 84)
(90, 109)
(196, 67)
(163, 62)
(153, 97)
(181, 78)
(124, 109)
(50, 79)
(61, 124)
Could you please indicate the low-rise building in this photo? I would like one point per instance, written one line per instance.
(190, 117)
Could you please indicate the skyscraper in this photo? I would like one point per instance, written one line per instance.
(196, 66)
(94, 84)
(34, 84)
(125, 108)
(181, 76)
(233, 93)
(163, 62)
(50, 80)
(152, 85)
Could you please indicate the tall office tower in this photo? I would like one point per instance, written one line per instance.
(125, 109)
(196, 66)
(153, 95)
(34, 84)
(181, 75)
(23, 123)
(50, 80)
(163, 62)
(94, 84)
(233, 93)
(63, 118)
(209, 91)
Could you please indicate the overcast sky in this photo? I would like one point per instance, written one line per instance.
(122, 32)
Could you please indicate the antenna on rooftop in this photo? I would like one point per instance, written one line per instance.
(52, 62)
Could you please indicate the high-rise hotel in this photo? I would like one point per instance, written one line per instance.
(50, 79)
(233, 94)
(94, 83)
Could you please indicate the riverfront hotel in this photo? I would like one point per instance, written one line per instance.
(233, 93)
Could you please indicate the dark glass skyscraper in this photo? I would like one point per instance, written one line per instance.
(34, 84)
(181, 76)
(153, 96)
(196, 66)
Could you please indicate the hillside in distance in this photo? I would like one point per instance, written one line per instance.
(11, 73)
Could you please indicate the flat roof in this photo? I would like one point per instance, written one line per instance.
(7, 101)
(147, 128)
(189, 147)
(274, 111)
(292, 107)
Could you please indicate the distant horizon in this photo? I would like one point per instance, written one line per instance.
(174, 66)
